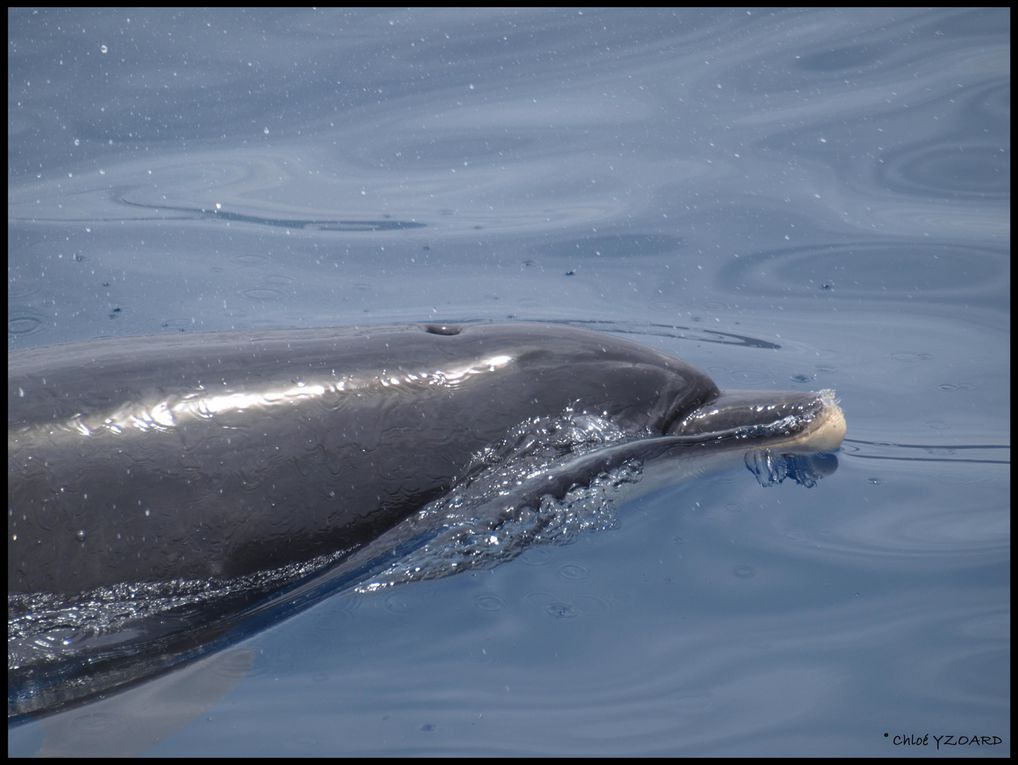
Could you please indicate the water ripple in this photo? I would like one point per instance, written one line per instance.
(876, 270)
(994, 454)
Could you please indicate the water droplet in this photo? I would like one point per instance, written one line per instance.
(561, 610)
(573, 571)
(488, 602)
(744, 572)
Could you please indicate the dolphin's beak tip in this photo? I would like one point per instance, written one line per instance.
(829, 432)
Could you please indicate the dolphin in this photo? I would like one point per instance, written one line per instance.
(168, 495)
(223, 454)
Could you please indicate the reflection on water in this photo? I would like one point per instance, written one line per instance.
(288, 223)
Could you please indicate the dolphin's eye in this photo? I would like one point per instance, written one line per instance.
(442, 329)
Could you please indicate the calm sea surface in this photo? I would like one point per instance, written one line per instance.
(788, 199)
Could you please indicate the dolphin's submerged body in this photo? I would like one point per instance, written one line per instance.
(246, 472)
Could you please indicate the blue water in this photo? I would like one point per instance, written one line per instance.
(833, 185)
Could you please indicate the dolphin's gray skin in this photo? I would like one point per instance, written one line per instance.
(222, 454)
